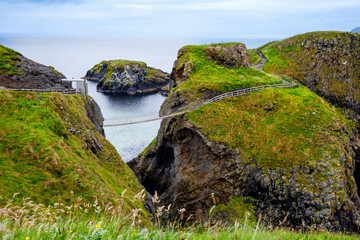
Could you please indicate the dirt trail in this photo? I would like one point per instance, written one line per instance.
(260, 65)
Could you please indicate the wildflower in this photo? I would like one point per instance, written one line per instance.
(27, 238)
(97, 226)
(70, 231)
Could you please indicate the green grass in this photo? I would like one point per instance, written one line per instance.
(287, 134)
(236, 211)
(8, 58)
(111, 64)
(291, 57)
(207, 75)
(75, 225)
(151, 144)
(254, 57)
(42, 160)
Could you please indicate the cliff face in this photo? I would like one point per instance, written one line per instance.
(19, 72)
(95, 115)
(128, 77)
(285, 153)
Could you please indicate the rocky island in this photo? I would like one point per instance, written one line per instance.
(128, 77)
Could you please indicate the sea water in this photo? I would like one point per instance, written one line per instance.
(73, 57)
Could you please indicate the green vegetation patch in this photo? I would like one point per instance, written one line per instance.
(8, 58)
(236, 211)
(276, 127)
(206, 75)
(78, 226)
(116, 63)
(293, 58)
(48, 153)
(150, 145)
(254, 57)
(56, 72)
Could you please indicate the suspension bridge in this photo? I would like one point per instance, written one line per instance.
(211, 100)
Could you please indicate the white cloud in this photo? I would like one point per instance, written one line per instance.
(164, 17)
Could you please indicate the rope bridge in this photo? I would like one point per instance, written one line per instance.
(211, 100)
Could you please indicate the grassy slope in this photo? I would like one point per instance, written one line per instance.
(254, 57)
(40, 159)
(8, 57)
(209, 76)
(290, 57)
(281, 137)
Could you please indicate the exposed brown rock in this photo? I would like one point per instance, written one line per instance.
(231, 56)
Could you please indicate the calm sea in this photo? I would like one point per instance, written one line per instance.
(73, 57)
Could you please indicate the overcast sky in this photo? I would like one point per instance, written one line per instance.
(175, 18)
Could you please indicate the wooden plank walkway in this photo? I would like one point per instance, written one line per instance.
(211, 100)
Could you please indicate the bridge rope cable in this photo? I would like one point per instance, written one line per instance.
(211, 100)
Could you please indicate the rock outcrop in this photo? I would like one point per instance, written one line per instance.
(356, 30)
(128, 77)
(95, 115)
(19, 72)
(287, 153)
(230, 56)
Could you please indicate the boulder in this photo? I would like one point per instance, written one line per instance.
(230, 56)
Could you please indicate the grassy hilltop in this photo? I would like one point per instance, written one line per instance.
(208, 76)
(326, 62)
